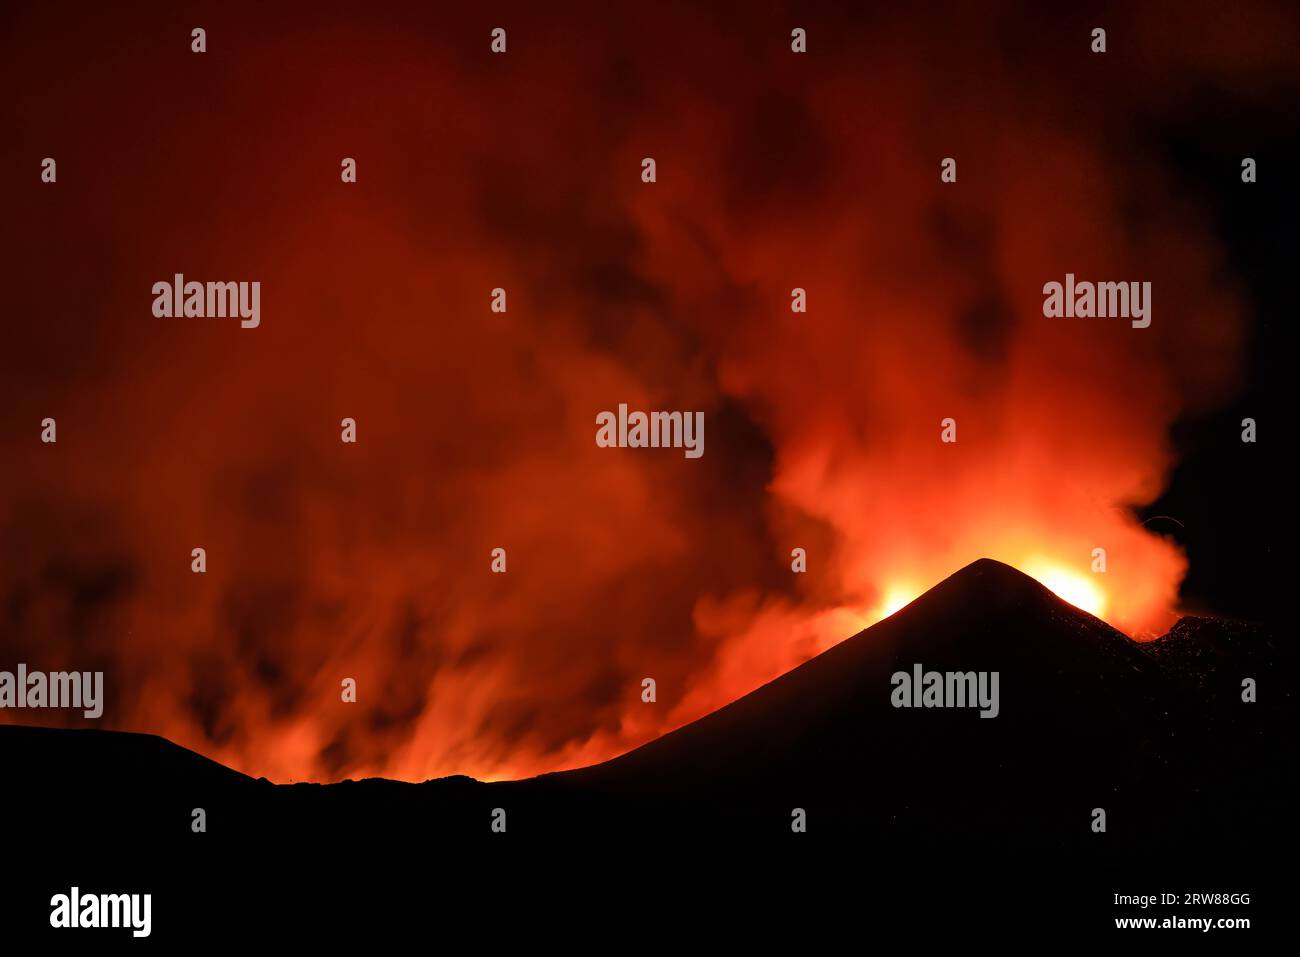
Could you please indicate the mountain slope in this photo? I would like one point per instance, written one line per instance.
(1053, 660)
(1082, 710)
(1086, 719)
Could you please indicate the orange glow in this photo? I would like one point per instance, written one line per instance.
(370, 561)
(1070, 586)
(896, 598)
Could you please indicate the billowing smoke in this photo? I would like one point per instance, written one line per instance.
(476, 428)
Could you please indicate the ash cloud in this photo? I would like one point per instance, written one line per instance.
(476, 429)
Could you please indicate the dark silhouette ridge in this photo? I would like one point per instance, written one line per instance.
(1156, 735)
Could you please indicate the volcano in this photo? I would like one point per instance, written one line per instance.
(1154, 735)
(1088, 719)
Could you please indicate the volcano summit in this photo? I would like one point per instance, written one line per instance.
(1082, 708)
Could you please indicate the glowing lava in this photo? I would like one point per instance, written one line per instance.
(1069, 585)
(896, 597)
